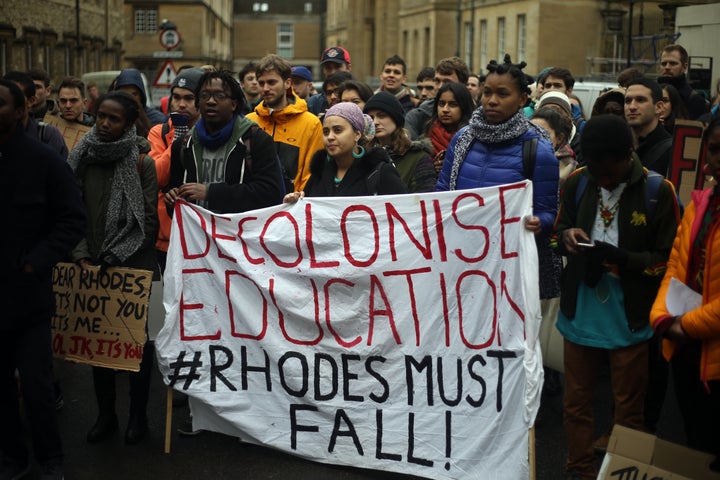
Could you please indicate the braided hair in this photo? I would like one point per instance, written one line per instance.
(513, 69)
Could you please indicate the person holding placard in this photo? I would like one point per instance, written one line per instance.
(119, 186)
(345, 167)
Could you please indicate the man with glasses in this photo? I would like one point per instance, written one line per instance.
(226, 163)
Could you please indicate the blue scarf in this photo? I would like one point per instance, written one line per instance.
(213, 141)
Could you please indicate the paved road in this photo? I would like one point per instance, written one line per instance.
(218, 457)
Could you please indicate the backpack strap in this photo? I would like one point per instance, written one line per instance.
(247, 141)
(529, 152)
(652, 190)
(164, 131)
(41, 131)
(657, 151)
(141, 159)
(374, 178)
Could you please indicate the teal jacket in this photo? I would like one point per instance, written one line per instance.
(648, 241)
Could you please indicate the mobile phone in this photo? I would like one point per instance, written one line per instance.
(586, 245)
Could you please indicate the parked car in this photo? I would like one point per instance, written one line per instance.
(103, 79)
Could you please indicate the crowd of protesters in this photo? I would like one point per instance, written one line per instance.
(609, 227)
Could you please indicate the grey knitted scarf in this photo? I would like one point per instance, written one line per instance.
(479, 130)
(125, 218)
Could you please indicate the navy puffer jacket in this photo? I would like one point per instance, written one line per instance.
(488, 165)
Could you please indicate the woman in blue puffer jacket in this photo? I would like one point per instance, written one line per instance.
(489, 151)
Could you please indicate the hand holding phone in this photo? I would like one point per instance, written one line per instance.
(585, 245)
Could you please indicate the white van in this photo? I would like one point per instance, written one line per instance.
(589, 91)
(104, 78)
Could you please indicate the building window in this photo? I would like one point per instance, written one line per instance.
(468, 44)
(426, 47)
(84, 60)
(308, 7)
(4, 60)
(29, 55)
(260, 7)
(67, 62)
(500, 38)
(483, 45)
(521, 25)
(146, 20)
(286, 40)
(47, 59)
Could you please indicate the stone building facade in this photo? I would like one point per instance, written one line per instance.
(292, 29)
(589, 37)
(56, 36)
(204, 30)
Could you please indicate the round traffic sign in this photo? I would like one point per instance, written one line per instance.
(170, 39)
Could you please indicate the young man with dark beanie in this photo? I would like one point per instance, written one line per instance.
(616, 226)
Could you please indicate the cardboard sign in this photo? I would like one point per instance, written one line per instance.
(72, 132)
(688, 159)
(635, 455)
(100, 317)
(396, 333)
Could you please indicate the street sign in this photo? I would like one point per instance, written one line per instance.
(168, 54)
(170, 39)
(166, 75)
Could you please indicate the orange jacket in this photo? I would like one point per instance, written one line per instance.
(297, 134)
(702, 323)
(160, 151)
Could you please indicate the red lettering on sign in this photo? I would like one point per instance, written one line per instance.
(217, 236)
(507, 220)
(376, 288)
(193, 306)
(179, 212)
(373, 222)
(482, 229)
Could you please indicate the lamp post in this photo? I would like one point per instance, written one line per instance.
(459, 26)
(630, 34)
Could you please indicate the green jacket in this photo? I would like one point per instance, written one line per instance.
(95, 188)
(648, 241)
(416, 167)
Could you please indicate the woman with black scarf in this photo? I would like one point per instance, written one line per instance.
(119, 186)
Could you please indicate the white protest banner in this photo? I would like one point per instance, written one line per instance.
(395, 333)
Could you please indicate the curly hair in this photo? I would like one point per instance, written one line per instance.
(130, 106)
(229, 82)
(515, 70)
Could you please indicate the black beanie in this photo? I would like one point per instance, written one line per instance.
(606, 136)
(389, 104)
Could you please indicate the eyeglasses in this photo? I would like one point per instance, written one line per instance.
(218, 96)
